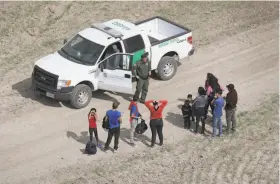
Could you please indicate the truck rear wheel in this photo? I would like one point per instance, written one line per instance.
(81, 96)
(167, 68)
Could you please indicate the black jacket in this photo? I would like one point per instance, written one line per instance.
(231, 100)
(187, 112)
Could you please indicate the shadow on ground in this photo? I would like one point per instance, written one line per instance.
(125, 137)
(83, 138)
(178, 121)
(24, 88)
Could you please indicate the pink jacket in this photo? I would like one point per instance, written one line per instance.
(210, 90)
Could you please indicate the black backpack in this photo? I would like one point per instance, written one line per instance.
(90, 148)
(141, 127)
(105, 123)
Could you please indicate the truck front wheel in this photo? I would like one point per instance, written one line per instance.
(81, 96)
(167, 68)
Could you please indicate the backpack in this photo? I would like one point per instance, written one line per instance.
(105, 123)
(141, 127)
(90, 148)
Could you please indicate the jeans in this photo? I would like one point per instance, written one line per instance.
(156, 128)
(187, 122)
(116, 133)
(199, 116)
(217, 120)
(231, 118)
(133, 125)
(91, 131)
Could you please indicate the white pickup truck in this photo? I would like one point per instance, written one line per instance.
(101, 57)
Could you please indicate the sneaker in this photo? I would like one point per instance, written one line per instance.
(133, 144)
(152, 145)
(115, 151)
(99, 146)
(106, 150)
(142, 101)
(160, 144)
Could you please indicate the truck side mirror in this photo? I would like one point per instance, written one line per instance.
(64, 41)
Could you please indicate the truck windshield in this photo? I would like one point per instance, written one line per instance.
(81, 50)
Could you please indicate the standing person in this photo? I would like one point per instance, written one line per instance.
(92, 119)
(134, 116)
(211, 86)
(230, 108)
(187, 113)
(156, 122)
(199, 106)
(114, 117)
(142, 72)
(218, 103)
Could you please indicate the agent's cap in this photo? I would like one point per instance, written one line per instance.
(145, 55)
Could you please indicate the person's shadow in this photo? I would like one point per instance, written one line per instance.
(125, 137)
(83, 138)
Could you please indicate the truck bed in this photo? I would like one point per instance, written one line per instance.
(160, 29)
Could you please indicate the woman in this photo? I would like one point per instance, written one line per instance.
(199, 105)
(134, 116)
(92, 118)
(156, 122)
(211, 86)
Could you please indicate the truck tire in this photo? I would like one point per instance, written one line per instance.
(167, 68)
(81, 96)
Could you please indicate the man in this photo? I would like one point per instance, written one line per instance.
(199, 105)
(156, 122)
(134, 116)
(230, 108)
(218, 103)
(114, 117)
(142, 72)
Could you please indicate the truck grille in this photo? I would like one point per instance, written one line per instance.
(44, 77)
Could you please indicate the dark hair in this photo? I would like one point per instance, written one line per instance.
(189, 96)
(155, 103)
(187, 101)
(92, 109)
(201, 91)
(135, 99)
(115, 105)
(219, 91)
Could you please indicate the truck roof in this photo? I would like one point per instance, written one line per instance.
(126, 29)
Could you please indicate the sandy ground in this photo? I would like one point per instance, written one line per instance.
(42, 140)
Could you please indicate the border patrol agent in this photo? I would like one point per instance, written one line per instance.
(142, 72)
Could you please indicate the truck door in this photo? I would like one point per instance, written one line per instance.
(137, 46)
(115, 73)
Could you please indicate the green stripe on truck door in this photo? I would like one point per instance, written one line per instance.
(137, 56)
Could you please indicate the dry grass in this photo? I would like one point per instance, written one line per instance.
(30, 30)
(248, 156)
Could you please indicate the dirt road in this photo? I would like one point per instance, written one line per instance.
(44, 136)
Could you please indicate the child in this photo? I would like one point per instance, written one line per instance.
(92, 118)
(134, 116)
(187, 113)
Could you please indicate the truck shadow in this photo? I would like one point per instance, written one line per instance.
(24, 88)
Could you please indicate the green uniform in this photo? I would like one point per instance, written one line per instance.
(142, 70)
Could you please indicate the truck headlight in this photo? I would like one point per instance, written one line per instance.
(63, 83)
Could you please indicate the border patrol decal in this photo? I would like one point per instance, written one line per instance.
(121, 25)
(169, 42)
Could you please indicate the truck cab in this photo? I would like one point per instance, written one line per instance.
(99, 57)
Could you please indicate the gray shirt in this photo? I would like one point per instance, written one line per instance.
(200, 101)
